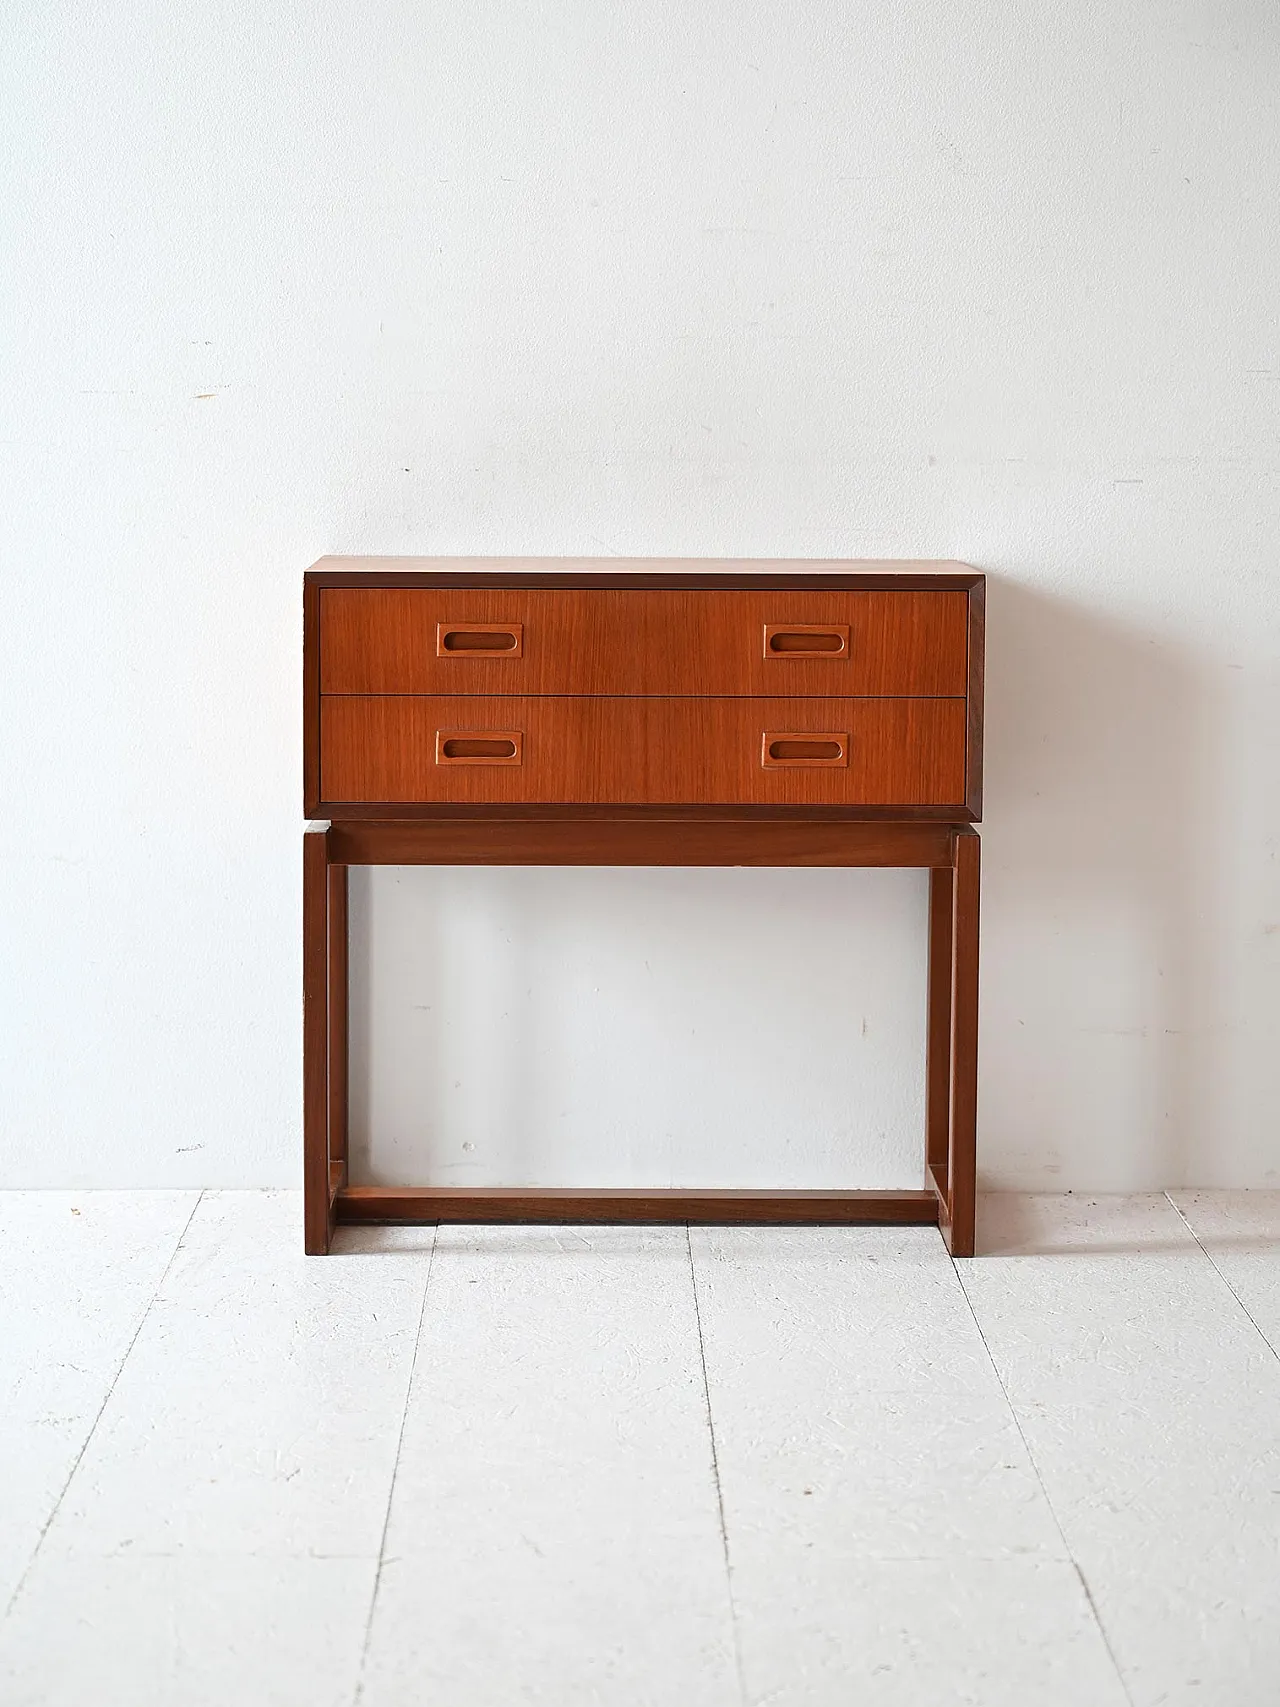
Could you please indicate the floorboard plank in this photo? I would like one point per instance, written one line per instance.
(77, 1273)
(220, 1536)
(871, 1468)
(1149, 1403)
(554, 1533)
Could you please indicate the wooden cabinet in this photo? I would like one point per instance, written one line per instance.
(632, 689)
(636, 713)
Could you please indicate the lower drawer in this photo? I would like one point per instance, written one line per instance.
(400, 749)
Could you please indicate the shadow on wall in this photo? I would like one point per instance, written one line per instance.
(780, 1039)
(1097, 964)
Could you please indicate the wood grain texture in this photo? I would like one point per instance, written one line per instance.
(310, 699)
(857, 573)
(503, 1203)
(317, 1213)
(625, 641)
(962, 1165)
(738, 841)
(338, 1022)
(902, 752)
(783, 747)
(494, 639)
(645, 712)
(825, 639)
(974, 693)
(479, 746)
(355, 811)
(936, 1181)
(937, 1118)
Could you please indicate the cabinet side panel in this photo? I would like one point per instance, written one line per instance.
(976, 679)
(310, 699)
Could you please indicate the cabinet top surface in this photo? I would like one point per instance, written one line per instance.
(641, 572)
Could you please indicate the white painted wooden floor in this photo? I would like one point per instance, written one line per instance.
(798, 1468)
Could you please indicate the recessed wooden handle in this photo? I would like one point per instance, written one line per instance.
(803, 751)
(806, 640)
(479, 747)
(479, 640)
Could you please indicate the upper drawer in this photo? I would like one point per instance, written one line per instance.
(530, 640)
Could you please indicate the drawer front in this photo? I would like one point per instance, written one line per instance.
(396, 749)
(529, 640)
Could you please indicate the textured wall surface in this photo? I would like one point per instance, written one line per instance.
(987, 281)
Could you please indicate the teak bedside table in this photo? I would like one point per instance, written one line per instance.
(512, 711)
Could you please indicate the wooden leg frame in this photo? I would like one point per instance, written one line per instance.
(949, 852)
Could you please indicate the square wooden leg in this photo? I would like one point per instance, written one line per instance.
(338, 1026)
(317, 1212)
(937, 1102)
(962, 1157)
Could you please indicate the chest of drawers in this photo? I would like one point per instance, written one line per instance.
(855, 691)
(517, 711)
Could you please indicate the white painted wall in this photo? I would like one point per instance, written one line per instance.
(989, 281)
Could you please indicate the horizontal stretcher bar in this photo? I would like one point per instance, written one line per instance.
(673, 842)
(430, 1204)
